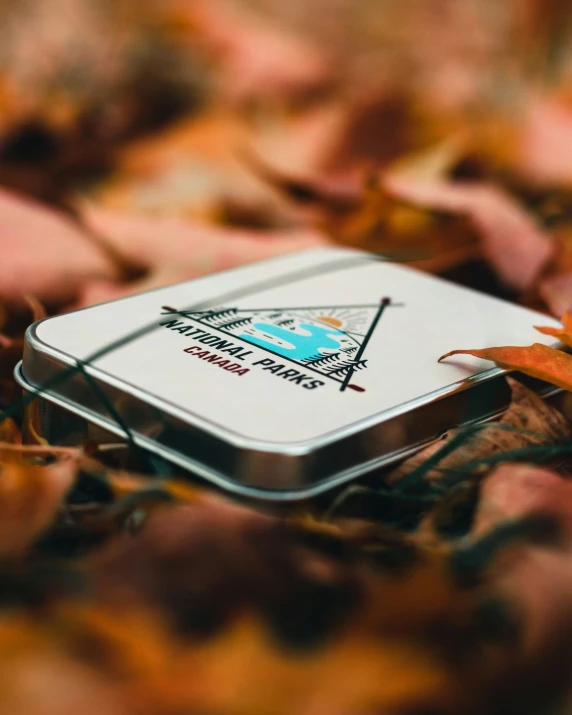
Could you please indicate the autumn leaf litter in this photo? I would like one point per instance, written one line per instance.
(157, 142)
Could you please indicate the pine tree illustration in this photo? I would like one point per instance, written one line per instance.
(218, 316)
(345, 367)
(312, 359)
(240, 322)
(322, 360)
(336, 371)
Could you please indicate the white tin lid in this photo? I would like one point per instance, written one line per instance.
(296, 372)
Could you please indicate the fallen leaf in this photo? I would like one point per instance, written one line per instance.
(44, 253)
(354, 673)
(175, 249)
(540, 361)
(432, 164)
(37, 677)
(15, 316)
(537, 579)
(197, 166)
(543, 151)
(9, 432)
(563, 334)
(30, 494)
(514, 490)
(379, 128)
(337, 194)
(556, 292)
(266, 606)
(354, 209)
(536, 360)
(516, 248)
(527, 421)
(256, 58)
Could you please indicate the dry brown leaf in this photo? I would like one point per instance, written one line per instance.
(386, 650)
(10, 432)
(15, 316)
(30, 494)
(174, 249)
(256, 58)
(355, 209)
(123, 664)
(281, 619)
(543, 151)
(516, 248)
(540, 424)
(556, 292)
(537, 579)
(38, 678)
(432, 164)
(241, 671)
(44, 253)
(515, 490)
(90, 57)
(197, 166)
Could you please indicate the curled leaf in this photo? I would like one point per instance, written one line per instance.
(536, 360)
(563, 334)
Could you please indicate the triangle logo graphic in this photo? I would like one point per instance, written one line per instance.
(328, 340)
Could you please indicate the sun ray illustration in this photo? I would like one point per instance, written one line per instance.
(350, 321)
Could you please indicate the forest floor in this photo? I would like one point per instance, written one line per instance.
(146, 143)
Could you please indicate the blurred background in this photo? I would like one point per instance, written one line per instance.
(255, 127)
(144, 142)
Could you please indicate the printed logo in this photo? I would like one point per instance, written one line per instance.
(328, 340)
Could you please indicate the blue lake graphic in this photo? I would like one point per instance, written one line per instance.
(304, 346)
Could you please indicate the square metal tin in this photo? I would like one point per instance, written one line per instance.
(282, 378)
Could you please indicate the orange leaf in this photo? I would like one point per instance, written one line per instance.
(563, 334)
(535, 360)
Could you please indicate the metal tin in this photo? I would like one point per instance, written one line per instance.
(283, 378)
